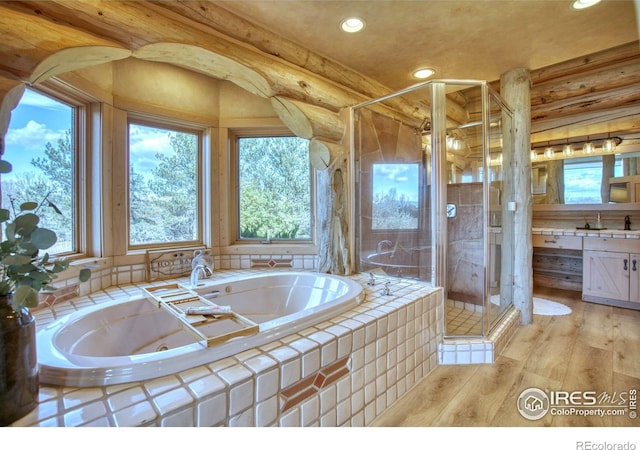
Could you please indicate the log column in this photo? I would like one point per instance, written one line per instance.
(515, 87)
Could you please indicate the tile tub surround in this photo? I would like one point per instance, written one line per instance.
(343, 372)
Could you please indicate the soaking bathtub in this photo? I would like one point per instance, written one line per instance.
(134, 340)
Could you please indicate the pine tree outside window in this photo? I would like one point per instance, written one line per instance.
(274, 188)
(42, 146)
(164, 174)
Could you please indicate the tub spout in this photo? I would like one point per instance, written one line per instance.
(201, 270)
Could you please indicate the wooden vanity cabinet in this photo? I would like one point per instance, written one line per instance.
(611, 272)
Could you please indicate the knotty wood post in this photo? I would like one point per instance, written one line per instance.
(334, 250)
(515, 87)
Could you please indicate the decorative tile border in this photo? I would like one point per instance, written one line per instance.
(271, 263)
(312, 384)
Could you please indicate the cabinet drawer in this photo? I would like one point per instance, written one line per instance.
(612, 245)
(550, 241)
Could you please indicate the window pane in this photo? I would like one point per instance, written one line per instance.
(163, 185)
(395, 197)
(275, 188)
(40, 146)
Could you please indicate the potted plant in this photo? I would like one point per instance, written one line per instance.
(23, 274)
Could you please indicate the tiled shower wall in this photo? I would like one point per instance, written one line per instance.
(342, 372)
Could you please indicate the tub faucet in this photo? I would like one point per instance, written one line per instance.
(200, 269)
(372, 280)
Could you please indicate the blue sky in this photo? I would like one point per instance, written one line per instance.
(38, 119)
(34, 122)
(401, 177)
(144, 144)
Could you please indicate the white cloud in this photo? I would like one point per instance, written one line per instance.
(144, 144)
(32, 137)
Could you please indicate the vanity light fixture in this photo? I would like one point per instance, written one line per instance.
(534, 155)
(352, 25)
(583, 4)
(423, 73)
(548, 152)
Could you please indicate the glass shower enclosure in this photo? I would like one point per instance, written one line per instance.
(432, 195)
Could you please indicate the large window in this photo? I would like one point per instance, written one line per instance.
(274, 184)
(42, 146)
(164, 205)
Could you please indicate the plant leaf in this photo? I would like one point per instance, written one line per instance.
(10, 231)
(43, 238)
(13, 260)
(60, 266)
(84, 275)
(28, 206)
(5, 214)
(5, 166)
(26, 223)
(24, 296)
(55, 208)
(27, 249)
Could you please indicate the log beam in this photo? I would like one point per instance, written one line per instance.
(324, 154)
(74, 58)
(8, 102)
(308, 121)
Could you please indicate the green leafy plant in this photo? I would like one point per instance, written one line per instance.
(23, 271)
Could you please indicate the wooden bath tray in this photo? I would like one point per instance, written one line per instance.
(213, 329)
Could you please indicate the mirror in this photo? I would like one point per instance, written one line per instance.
(605, 178)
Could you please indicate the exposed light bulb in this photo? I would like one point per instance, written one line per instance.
(548, 152)
(567, 150)
(609, 145)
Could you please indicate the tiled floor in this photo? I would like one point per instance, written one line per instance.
(463, 322)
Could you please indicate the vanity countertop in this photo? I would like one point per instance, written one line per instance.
(615, 234)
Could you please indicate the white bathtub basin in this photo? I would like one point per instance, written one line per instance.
(134, 340)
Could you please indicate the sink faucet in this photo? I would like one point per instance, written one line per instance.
(198, 271)
(627, 223)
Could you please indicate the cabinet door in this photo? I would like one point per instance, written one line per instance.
(606, 274)
(634, 280)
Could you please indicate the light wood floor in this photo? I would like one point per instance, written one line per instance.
(596, 348)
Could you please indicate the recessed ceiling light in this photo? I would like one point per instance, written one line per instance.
(423, 73)
(352, 25)
(582, 4)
